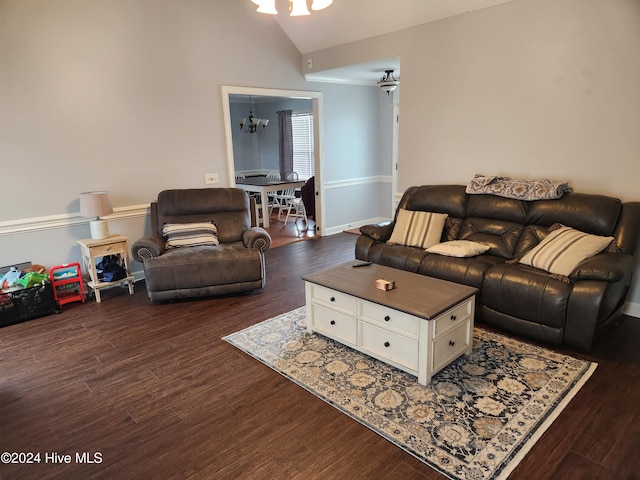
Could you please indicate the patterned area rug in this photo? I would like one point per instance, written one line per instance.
(477, 418)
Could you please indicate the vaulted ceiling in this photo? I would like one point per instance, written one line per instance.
(347, 21)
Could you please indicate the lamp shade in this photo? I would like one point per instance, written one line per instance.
(95, 204)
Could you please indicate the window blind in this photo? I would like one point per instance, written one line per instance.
(303, 147)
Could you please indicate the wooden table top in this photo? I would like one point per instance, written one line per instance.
(415, 294)
(264, 181)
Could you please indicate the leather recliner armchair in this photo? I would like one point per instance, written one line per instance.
(235, 265)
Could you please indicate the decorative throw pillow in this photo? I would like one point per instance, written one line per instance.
(459, 248)
(564, 249)
(417, 229)
(178, 235)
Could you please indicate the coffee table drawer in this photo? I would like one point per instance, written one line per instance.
(334, 299)
(454, 317)
(450, 346)
(391, 319)
(392, 347)
(334, 324)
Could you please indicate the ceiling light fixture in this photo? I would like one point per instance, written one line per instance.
(297, 8)
(254, 123)
(388, 82)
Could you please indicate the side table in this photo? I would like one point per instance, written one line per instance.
(113, 245)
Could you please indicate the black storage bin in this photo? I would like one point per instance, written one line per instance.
(26, 303)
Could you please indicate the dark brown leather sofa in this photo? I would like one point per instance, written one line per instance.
(514, 297)
(235, 265)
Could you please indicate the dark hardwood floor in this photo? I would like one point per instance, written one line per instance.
(152, 392)
(294, 230)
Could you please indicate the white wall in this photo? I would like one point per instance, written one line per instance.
(531, 88)
(260, 151)
(246, 147)
(354, 153)
(125, 96)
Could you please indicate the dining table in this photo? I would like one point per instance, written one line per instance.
(264, 186)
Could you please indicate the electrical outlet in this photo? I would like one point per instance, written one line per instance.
(210, 178)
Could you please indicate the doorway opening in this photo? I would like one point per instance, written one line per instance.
(264, 96)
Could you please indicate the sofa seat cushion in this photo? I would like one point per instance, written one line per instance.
(522, 328)
(527, 293)
(465, 270)
(396, 256)
(191, 268)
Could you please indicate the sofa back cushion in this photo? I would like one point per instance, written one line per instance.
(595, 214)
(449, 199)
(500, 235)
(499, 208)
(627, 229)
(228, 208)
(531, 236)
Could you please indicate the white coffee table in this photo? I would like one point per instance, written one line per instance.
(420, 327)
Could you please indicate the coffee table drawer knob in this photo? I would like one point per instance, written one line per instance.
(333, 299)
(387, 344)
(453, 318)
(451, 343)
(387, 318)
(332, 322)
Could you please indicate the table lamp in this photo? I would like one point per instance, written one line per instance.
(95, 205)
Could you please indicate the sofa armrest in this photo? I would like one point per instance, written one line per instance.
(257, 237)
(607, 267)
(380, 232)
(147, 247)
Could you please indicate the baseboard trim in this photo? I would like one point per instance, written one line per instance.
(631, 309)
(349, 226)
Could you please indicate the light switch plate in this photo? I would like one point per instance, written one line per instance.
(210, 178)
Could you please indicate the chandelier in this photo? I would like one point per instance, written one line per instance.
(388, 82)
(296, 7)
(254, 123)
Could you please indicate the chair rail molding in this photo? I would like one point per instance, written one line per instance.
(34, 224)
(358, 181)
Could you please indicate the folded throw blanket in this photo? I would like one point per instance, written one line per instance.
(518, 189)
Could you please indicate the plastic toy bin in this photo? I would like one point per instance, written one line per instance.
(26, 303)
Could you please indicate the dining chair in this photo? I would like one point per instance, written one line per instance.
(280, 199)
(295, 209)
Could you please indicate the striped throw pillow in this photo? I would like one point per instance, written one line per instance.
(564, 249)
(417, 229)
(178, 235)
